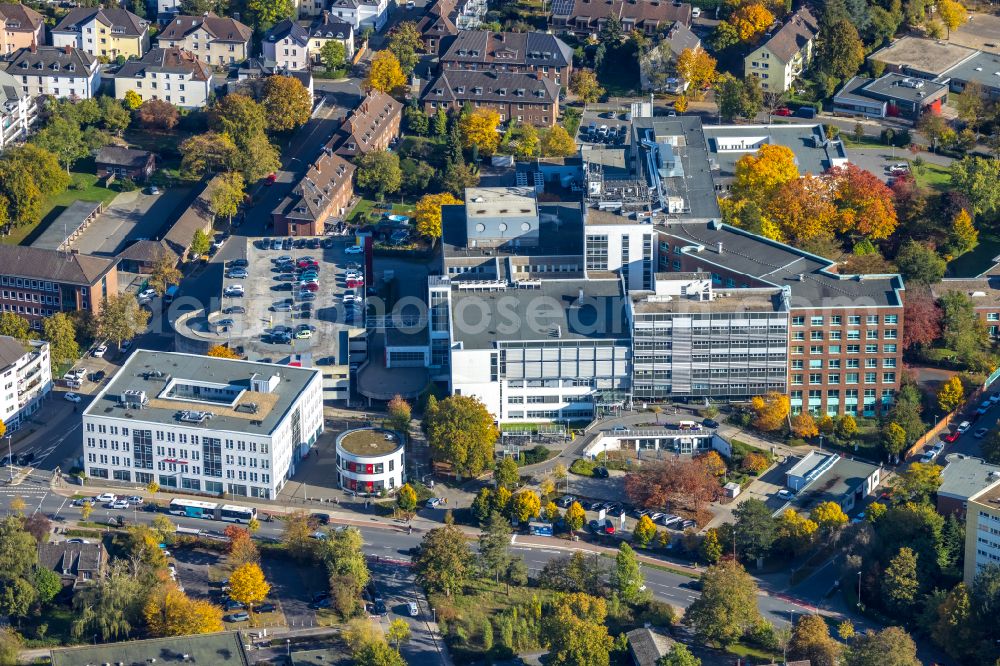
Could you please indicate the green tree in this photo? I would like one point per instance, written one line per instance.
(440, 123)
(920, 263)
(406, 43)
(297, 535)
(727, 608)
(893, 438)
(444, 560)
(991, 448)
(976, 178)
(268, 12)
(482, 505)
(840, 52)
(755, 527)
(115, 116)
(60, 331)
(626, 577)
(576, 631)
(506, 474)
(378, 653)
(406, 498)
(37, 164)
(121, 318)
(964, 332)
(679, 655)
(227, 194)
(710, 548)
(21, 198)
(918, 482)
(738, 99)
(15, 326)
(333, 55)
(287, 104)
(890, 647)
(379, 173)
(10, 646)
(494, 540)
(461, 431)
(64, 139)
(398, 632)
(16, 596)
(201, 243)
(208, 152)
(47, 584)
(811, 641)
(165, 272)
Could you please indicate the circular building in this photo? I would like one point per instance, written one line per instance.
(370, 460)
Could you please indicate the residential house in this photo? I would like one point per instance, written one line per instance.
(890, 96)
(142, 256)
(658, 66)
(77, 564)
(125, 163)
(326, 28)
(783, 56)
(171, 74)
(23, 28)
(647, 647)
(18, 111)
(436, 25)
(36, 283)
(287, 45)
(215, 39)
(469, 14)
(103, 32)
(516, 97)
(324, 191)
(254, 70)
(60, 72)
(26, 372)
(585, 18)
(536, 53)
(362, 14)
(984, 294)
(371, 126)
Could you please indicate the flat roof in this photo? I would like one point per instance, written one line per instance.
(814, 152)
(907, 88)
(735, 300)
(843, 477)
(990, 497)
(369, 442)
(548, 313)
(69, 222)
(929, 56)
(253, 412)
(811, 279)
(965, 476)
(981, 68)
(560, 233)
(809, 462)
(218, 648)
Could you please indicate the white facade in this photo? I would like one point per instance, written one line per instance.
(370, 474)
(982, 531)
(628, 248)
(25, 379)
(287, 52)
(17, 113)
(182, 89)
(81, 83)
(168, 7)
(125, 445)
(362, 15)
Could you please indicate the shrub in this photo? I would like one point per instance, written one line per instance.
(583, 467)
(535, 455)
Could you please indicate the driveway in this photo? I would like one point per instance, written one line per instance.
(131, 216)
(294, 587)
(192, 571)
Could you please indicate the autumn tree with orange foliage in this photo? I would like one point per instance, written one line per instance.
(801, 209)
(864, 201)
(758, 175)
(675, 483)
(222, 351)
(771, 410)
(804, 426)
(750, 21)
(713, 462)
(242, 549)
(755, 462)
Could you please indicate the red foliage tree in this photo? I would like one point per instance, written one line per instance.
(674, 483)
(234, 533)
(923, 319)
(157, 114)
(865, 202)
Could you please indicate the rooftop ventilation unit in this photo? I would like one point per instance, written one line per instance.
(195, 417)
(133, 398)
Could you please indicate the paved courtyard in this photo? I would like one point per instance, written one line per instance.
(131, 216)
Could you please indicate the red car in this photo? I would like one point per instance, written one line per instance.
(952, 437)
(311, 286)
(783, 111)
(355, 284)
(271, 178)
(307, 263)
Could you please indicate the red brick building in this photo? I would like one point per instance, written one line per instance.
(324, 192)
(371, 126)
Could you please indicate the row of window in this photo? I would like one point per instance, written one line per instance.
(852, 320)
(182, 438)
(28, 310)
(7, 281)
(834, 363)
(835, 349)
(870, 334)
(849, 378)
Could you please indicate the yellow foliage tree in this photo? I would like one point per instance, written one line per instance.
(952, 14)
(714, 463)
(575, 515)
(247, 584)
(558, 143)
(222, 351)
(951, 394)
(386, 74)
(17, 505)
(479, 128)
(828, 515)
(170, 612)
(551, 512)
(525, 505)
(697, 68)
(644, 531)
(429, 213)
(681, 104)
(796, 530)
(584, 84)
(751, 20)
(801, 208)
(964, 235)
(771, 410)
(804, 426)
(759, 175)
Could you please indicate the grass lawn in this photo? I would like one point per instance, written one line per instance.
(975, 262)
(51, 629)
(364, 211)
(753, 654)
(83, 186)
(934, 176)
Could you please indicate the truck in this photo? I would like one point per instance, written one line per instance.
(171, 293)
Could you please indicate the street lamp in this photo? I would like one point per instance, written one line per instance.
(288, 645)
(859, 591)
(10, 460)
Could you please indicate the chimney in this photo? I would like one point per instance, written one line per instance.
(326, 16)
(68, 49)
(34, 47)
(718, 246)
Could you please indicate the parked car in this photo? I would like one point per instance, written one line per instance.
(786, 494)
(601, 473)
(321, 518)
(106, 497)
(120, 504)
(73, 397)
(566, 500)
(233, 605)
(242, 616)
(963, 427)
(710, 423)
(146, 295)
(783, 111)
(234, 291)
(235, 309)
(266, 608)
(413, 608)
(238, 273)
(951, 437)
(354, 249)
(433, 502)
(979, 434)
(100, 351)
(98, 377)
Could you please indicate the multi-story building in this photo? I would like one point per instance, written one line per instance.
(585, 18)
(25, 379)
(982, 531)
(103, 32)
(785, 54)
(371, 126)
(370, 461)
(325, 28)
(362, 14)
(215, 39)
(983, 292)
(171, 74)
(469, 14)
(287, 45)
(962, 477)
(436, 25)
(537, 53)
(18, 111)
(516, 97)
(23, 28)
(323, 192)
(60, 72)
(890, 96)
(203, 424)
(37, 283)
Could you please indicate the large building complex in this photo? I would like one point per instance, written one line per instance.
(203, 424)
(982, 530)
(25, 379)
(595, 281)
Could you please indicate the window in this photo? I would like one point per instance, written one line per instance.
(834, 363)
(835, 335)
(816, 378)
(816, 320)
(888, 377)
(834, 349)
(798, 321)
(888, 349)
(816, 335)
(853, 349)
(854, 320)
(835, 320)
(797, 364)
(871, 320)
(871, 349)
(854, 335)
(871, 377)
(833, 378)
(891, 319)
(852, 378)
(816, 349)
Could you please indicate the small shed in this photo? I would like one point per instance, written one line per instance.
(125, 163)
(732, 489)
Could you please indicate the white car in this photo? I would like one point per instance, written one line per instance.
(106, 497)
(77, 374)
(100, 351)
(120, 504)
(234, 290)
(73, 397)
(146, 295)
(964, 426)
(354, 249)
(786, 494)
(352, 275)
(695, 12)
(433, 502)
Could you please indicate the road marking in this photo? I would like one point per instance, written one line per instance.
(65, 499)
(39, 507)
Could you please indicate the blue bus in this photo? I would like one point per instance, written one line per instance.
(539, 528)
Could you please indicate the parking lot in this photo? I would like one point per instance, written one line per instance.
(276, 315)
(604, 128)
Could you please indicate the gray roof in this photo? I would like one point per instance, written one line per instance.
(909, 89)
(523, 315)
(560, 233)
(11, 351)
(10, 90)
(679, 38)
(813, 152)
(138, 375)
(983, 68)
(173, 60)
(927, 57)
(220, 28)
(800, 28)
(221, 648)
(508, 87)
(965, 476)
(69, 559)
(647, 646)
(854, 92)
(67, 224)
(51, 61)
(118, 156)
(288, 28)
(833, 485)
(59, 267)
(325, 179)
(780, 265)
(132, 25)
(327, 26)
(509, 48)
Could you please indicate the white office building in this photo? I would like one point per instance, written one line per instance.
(25, 379)
(370, 461)
(203, 424)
